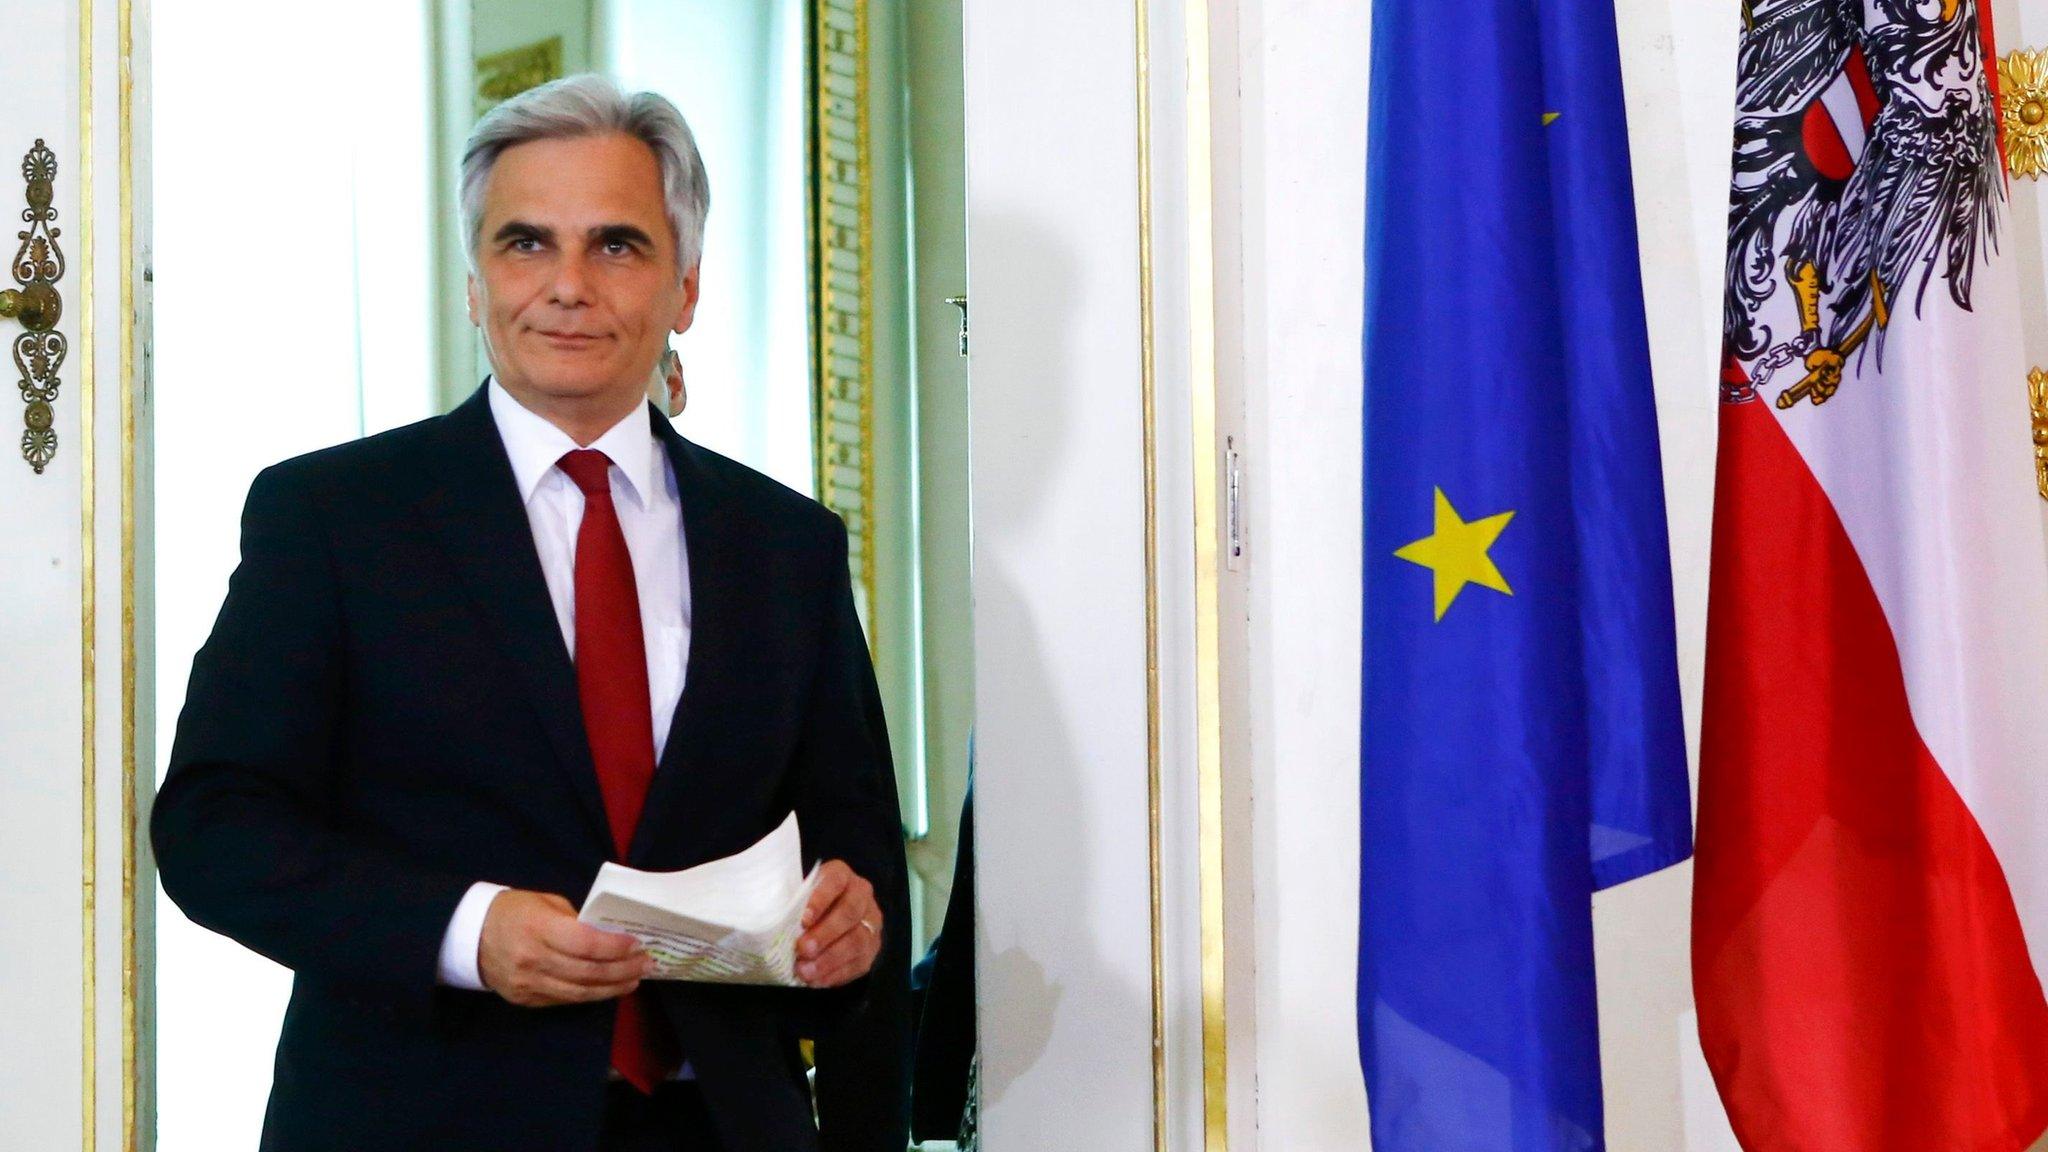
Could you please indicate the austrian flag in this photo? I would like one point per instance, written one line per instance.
(1871, 910)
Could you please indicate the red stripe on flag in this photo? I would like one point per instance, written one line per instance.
(1987, 38)
(1824, 143)
(1861, 974)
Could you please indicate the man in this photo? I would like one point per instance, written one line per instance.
(465, 663)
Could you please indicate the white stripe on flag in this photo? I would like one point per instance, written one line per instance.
(1840, 100)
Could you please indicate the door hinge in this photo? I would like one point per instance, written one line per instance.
(1233, 496)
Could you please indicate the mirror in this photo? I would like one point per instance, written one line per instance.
(307, 289)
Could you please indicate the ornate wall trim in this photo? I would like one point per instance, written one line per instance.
(2023, 116)
(842, 296)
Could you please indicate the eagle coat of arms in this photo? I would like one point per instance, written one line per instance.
(1867, 177)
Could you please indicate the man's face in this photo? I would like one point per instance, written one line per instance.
(576, 288)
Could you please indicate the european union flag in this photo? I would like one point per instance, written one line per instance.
(1522, 743)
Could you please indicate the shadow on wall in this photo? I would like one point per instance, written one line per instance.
(1023, 989)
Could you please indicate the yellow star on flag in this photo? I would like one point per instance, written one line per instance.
(1456, 553)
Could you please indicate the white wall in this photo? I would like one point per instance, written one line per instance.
(1304, 80)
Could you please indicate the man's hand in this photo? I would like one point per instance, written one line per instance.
(535, 953)
(845, 929)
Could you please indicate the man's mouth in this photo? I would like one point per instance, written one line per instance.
(568, 339)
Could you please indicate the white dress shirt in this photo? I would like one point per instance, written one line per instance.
(651, 516)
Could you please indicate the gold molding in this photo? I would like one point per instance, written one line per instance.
(1148, 403)
(89, 462)
(1208, 486)
(2037, 402)
(1207, 610)
(842, 272)
(131, 1126)
(2023, 118)
(88, 593)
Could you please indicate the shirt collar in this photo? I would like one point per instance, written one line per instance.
(534, 445)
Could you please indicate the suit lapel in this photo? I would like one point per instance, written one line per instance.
(475, 508)
(718, 568)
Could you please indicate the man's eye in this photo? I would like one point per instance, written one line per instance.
(525, 244)
(617, 247)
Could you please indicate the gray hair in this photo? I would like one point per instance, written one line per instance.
(591, 105)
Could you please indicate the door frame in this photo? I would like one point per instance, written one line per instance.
(81, 531)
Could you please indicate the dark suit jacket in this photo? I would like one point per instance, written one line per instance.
(386, 712)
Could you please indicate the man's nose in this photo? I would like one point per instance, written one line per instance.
(572, 283)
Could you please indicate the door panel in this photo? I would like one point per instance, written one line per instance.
(66, 570)
(1059, 576)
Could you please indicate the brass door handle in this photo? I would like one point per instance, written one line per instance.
(38, 266)
(36, 305)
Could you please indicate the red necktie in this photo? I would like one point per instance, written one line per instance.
(611, 679)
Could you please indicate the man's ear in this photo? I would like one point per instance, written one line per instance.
(688, 315)
(470, 293)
